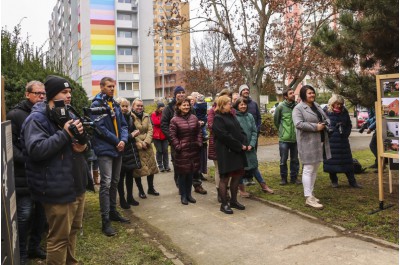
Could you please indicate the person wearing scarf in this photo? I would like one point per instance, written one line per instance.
(340, 127)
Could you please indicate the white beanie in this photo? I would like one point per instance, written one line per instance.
(243, 87)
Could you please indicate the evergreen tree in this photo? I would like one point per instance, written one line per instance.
(366, 42)
(21, 63)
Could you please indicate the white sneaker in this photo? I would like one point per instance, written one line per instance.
(310, 201)
(315, 198)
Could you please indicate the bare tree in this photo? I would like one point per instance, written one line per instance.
(248, 27)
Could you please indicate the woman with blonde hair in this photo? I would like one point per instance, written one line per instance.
(340, 128)
(230, 144)
(130, 159)
(143, 140)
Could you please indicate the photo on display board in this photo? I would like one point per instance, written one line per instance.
(392, 129)
(391, 146)
(391, 89)
(390, 108)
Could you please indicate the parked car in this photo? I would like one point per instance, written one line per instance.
(272, 110)
(362, 116)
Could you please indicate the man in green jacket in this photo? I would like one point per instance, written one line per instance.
(287, 137)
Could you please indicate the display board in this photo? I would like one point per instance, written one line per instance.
(9, 223)
(387, 127)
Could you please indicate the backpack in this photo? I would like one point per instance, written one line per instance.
(358, 169)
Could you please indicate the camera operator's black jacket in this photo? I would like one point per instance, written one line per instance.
(342, 159)
(55, 173)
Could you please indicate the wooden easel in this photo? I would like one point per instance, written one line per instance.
(382, 154)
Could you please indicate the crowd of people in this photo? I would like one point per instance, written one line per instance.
(54, 159)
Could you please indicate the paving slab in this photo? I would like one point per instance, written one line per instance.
(261, 234)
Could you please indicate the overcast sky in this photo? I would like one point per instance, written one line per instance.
(37, 13)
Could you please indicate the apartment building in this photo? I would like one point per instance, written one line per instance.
(96, 38)
(171, 55)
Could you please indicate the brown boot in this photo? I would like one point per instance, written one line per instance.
(96, 178)
(199, 189)
(242, 191)
(265, 188)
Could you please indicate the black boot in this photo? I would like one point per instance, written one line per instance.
(283, 180)
(189, 191)
(294, 180)
(151, 190)
(237, 205)
(226, 209)
(106, 228)
(132, 201)
(123, 203)
(140, 188)
(117, 217)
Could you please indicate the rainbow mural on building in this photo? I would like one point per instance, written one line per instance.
(102, 41)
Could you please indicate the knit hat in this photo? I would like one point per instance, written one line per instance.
(200, 98)
(54, 85)
(178, 89)
(160, 105)
(243, 87)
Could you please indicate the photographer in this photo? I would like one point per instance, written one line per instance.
(56, 170)
(312, 140)
(370, 125)
(340, 129)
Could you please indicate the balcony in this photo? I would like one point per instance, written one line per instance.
(129, 24)
(127, 42)
(123, 6)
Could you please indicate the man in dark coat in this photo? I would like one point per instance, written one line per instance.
(30, 213)
(167, 114)
(56, 169)
(109, 148)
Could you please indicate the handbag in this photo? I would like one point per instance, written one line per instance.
(131, 158)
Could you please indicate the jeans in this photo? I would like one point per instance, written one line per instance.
(253, 172)
(127, 177)
(284, 148)
(110, 168)
(31, 216)
(161, 153)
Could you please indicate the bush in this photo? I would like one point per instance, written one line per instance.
(267, 127)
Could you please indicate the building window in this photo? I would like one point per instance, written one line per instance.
(124, 1)
(170, 51)
(177, 58)
(169, 57)
(127, 68)
(124, 34)
(290, 8)
(177, 51)
(124, 51)
(169, 64)
(121, 16)
(161, 58)
(125, 85)
(178, 38)
(177, 45)
(161, 64)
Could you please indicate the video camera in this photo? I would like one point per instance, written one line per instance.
(363, 127)
(62, 114)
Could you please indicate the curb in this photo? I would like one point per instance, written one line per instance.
(340, 229)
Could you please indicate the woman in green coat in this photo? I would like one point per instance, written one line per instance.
(248, 125)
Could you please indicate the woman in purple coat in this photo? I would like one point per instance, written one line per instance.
(186, 139)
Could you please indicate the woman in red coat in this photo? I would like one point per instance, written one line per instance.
(186, 139)
(159, 139)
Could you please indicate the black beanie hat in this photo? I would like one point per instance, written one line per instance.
(178, 89)
(160, 105)
(54, 85)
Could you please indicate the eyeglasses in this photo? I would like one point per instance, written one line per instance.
(39, 93)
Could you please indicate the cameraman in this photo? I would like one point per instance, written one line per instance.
(371, 122)
(55, 172)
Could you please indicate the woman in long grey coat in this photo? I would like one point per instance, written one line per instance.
(149, 167)
(312, 140)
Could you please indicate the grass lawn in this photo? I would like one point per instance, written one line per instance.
(346, 207)
(135, 243)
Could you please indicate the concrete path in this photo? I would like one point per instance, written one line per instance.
(262, 234)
